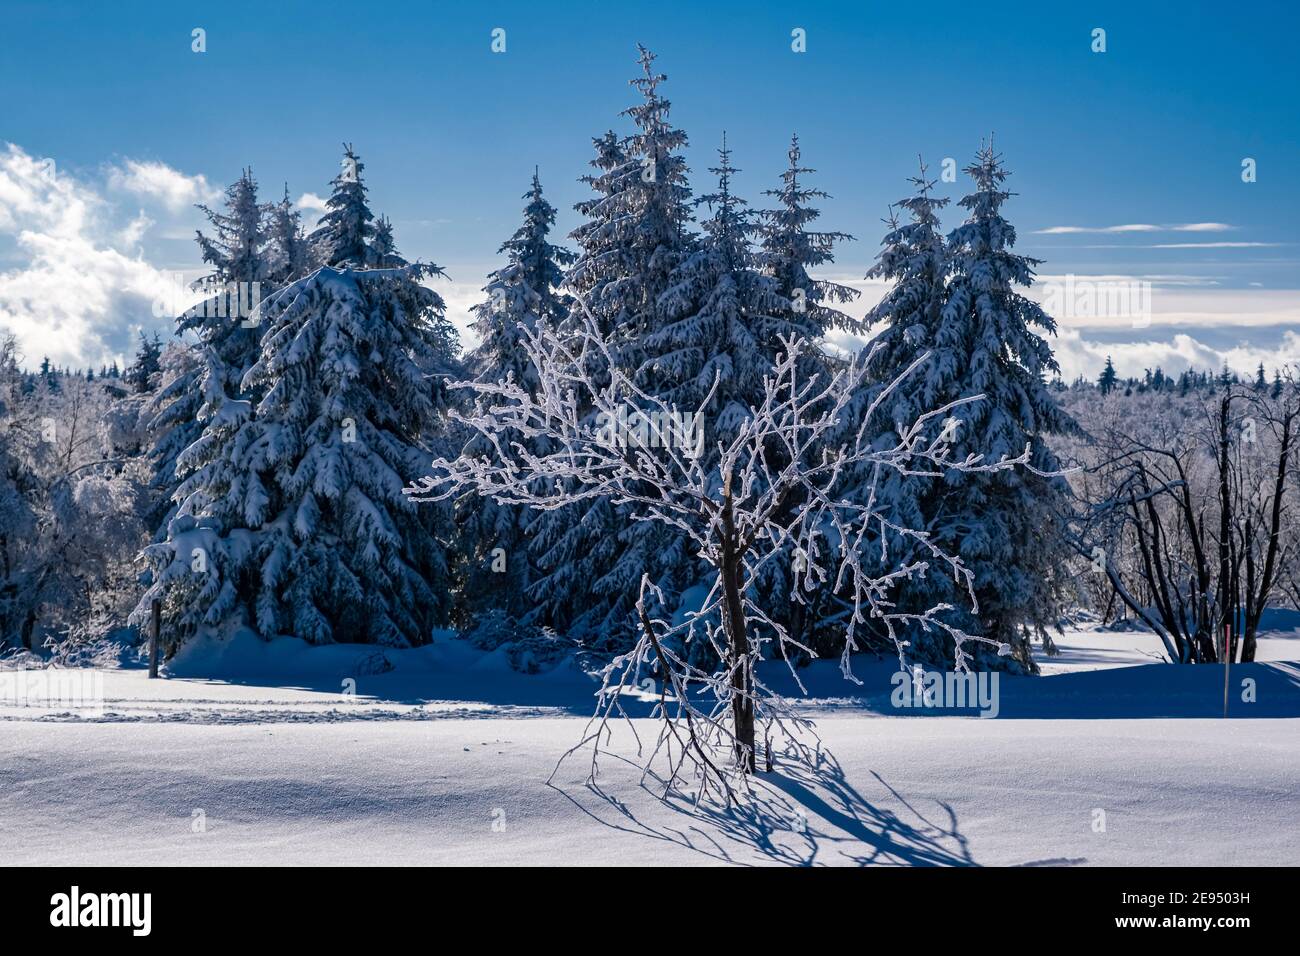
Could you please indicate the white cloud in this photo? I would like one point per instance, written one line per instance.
(158, 181)
(1069, 230)
(79, 291)
(312, 207)
(461, 297)
(1213, 245)
(1176, 300)
(135, 230)
(1189, 245)
(1137, 227)
(1156, 279)
(1180, 305)
(310, 202)
(1079, 356)
(1188, 306)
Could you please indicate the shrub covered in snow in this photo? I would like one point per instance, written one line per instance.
(529, 649)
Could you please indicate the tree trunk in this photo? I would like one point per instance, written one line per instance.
(1105, 618)
(1227, 593)
(1248, 644)
(155, 627)
(1267, 576)
(742, 702)
(29, 625)
(733, 623)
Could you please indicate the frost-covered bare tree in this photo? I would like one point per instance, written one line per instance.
(770, 493)
(71, 489)
(1185, 513)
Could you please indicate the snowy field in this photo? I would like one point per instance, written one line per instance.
(445, 759)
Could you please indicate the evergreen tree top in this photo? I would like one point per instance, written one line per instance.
(383, 247)
(651, 115)
(911, 251)
(1106, 381)
(287, 253)
(344, 234)
(923, 207)
(795, 197)
(985, 231)
(528, 248)
(520, 293)
(790, 249)
(234, 251)
(986, 237)
(999, 330)
(237, 251)
(637, 229)
(731, 224)
(664, 193)
(989, 174)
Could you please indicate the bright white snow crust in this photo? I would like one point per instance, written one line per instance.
(445, 760)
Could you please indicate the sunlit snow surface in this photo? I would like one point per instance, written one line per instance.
(445, 758)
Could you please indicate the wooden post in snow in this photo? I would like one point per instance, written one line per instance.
(1227, 662)
(154, 627)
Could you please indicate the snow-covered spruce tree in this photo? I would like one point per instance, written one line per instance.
(345, 234)
(384, 246)
(913, 258)
(790, 249)
(287, 255)
(241, 274)
(1106, 381)
(142, 373)
(654, 226)
(721, 332)
(575, 545)
(636, 236)
(733, 515)
(722, 335)
(291, 516)
(803, 307)
(494, 538)
(1007, 527)
(602, 246)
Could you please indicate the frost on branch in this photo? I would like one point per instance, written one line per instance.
(771, 492)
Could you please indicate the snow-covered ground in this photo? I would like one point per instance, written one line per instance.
(1111, 758)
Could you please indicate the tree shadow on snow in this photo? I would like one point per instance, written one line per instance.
(796, 815)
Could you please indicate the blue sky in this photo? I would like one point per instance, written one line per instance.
(1150, 133)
